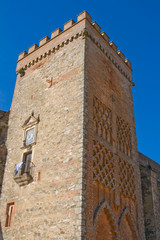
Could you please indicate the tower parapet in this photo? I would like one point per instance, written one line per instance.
(73, 30)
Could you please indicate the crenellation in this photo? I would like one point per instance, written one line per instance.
(68, 24)
(121, 54)
(32, 48)
(113, 45)
(105, 36)
(43, 41)
(56, 32)
(22, 55)
(56, 48)
(83, 33)
(128, 63)
(96, 26)
(84, 15)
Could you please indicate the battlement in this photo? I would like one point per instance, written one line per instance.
(68, 27)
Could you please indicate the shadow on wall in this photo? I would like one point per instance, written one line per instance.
(4, 116)
(3, 157)
(3, 149)
(1, 234)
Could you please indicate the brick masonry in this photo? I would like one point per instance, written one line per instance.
(58, 152)
(79, 88)
(113, 91)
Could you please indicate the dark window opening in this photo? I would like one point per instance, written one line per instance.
(26, 163)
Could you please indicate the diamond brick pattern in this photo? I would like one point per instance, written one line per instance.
(102, 118)
(127, 179)
(103, 165)
(124, 136)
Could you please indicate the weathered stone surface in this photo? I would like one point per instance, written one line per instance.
(150, 178)
(3, 149)
(115, 197)
(46, 209)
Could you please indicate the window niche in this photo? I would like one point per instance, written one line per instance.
(24, 174)
(9, 213)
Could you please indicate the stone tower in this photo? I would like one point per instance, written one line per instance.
(72, 141)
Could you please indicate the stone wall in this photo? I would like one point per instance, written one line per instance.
(53, 88)
(3, 149)
(150, 177)
(113, 200)
(85, 182)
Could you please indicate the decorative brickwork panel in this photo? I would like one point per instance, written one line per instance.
(103, 165)
(102, 117)
(127, 179)
(124, 136)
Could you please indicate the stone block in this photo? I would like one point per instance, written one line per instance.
(68, 24)
(113, 45)
(43, 41)
(128, 63)
(97, 27)
(105, 36)
(56, 33)
(32, 48)
(84, 15)
(22, 55)
(121, 54)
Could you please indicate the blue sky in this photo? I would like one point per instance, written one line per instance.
(134, 26)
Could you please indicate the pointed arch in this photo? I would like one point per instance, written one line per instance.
(125, 222)
(104, 222)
